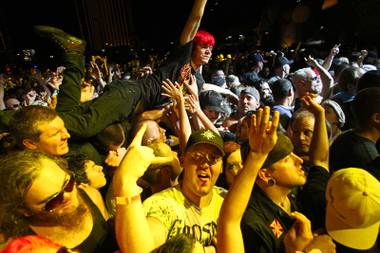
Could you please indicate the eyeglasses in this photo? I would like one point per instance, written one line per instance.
(202, 158)
(56, 200)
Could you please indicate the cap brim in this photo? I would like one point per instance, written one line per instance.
(357, 238)
(208, 142)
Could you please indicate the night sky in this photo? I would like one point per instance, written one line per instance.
(153, 20)
(156, 23)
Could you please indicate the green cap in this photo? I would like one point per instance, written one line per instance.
(205, 136)
(282, 149)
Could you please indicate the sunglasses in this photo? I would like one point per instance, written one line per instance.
(57, 200)
(201, 158)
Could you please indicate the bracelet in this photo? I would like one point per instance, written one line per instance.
(128, 200)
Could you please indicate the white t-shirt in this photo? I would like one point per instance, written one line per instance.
(180, 216)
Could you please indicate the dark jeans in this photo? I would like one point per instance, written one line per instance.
(85, 120)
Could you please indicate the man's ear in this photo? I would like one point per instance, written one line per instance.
(264, 174)
(376, 117)
(29, 144)
(290, 92)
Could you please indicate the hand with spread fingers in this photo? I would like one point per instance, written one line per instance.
(311, 61)
(192, 104)
(144, 72)
(172, 90)
(263, 132)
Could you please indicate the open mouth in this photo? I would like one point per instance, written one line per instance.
(203, 176)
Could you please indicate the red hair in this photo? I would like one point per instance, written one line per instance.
(203, 37)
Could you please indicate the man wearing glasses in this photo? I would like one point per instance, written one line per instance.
(191, 208)
(315, 79)
(38, 195)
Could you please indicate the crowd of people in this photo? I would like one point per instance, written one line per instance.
(274, 153)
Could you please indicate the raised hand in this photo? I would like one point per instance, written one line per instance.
(144, 71)
(138, 158)
(335, 50)
(263, 132)
(96, 70)
(55, 80)
(363, 53)
(192, 104)
(114, 158)
(29, 98)
(171, 90)
(191, 86)
(311, 61)
(310, 104)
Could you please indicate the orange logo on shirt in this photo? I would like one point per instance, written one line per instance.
(277, 229)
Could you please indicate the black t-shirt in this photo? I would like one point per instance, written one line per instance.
(265, 224)
(176, 68)
(311, 197)
(352, 150)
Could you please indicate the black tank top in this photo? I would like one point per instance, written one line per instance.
(99, 230)
(102, 237)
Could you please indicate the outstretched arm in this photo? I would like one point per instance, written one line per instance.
(327, 79)
(200, 120)
(319, 146)
(329, 59)
(175, 92)
(133, 230)
(262, 138)
(193, 22)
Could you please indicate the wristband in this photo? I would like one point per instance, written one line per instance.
(128, 200)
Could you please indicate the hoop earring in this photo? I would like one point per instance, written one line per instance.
(271, 181)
